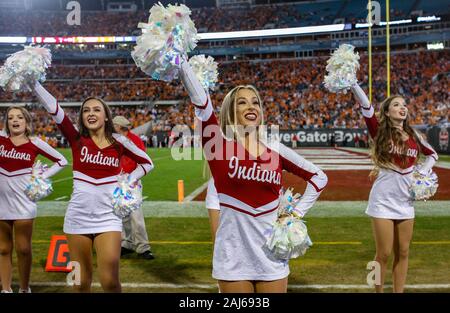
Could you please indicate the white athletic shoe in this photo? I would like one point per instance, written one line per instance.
(7, 291)
(25, 290)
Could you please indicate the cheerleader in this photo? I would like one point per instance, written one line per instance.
(18, 152)
(247, 172)
(395, 151)
(90, 220)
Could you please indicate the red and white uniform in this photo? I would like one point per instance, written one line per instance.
(127, 164)
(248, 190)
(389, 197)
(95, 173)
(16, 164)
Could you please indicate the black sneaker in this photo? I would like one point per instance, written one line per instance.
(148, 255)
(125, 251)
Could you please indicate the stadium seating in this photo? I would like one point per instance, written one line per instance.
(208, 19)
(293, 94)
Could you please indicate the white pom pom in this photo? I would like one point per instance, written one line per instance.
(39, 187)
(168, 35)
(423, 187)
(22, 69)
(127, 196)
(342, 67)
(288, 237)
(205, 69)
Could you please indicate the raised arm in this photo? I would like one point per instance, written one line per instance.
(314, 176)
(144, 163)
(367, 110)
(52, 106)
(47, 151)
(198, 95)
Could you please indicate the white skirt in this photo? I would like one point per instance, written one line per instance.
(90, 210)
(390, 197)
(238, 249)
(14, 204)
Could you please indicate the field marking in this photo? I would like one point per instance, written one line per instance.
(60, 198)
(214, 286)
(168, 242)
(160, 158)
(332, 243)
(325, 243)
(62, 179)
(196, 192)
(194, 208)
(443, 242)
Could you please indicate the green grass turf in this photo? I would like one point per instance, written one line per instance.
(323, 263)
(444, 157)
(159, 184)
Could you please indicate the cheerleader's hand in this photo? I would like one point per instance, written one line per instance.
(135, 184)
(297, 214)
(423, 171)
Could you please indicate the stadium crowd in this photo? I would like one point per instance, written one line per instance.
(206, 19)
(292, 90)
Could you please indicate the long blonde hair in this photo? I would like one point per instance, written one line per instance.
(389, 136)
(228, 110)
(28, 120)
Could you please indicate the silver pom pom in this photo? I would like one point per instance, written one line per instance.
(39, 187)
(24, 68)
(205, 68)
(168, 35)
(342, 67)
(423, 187)
(288, 238)
(127, 196)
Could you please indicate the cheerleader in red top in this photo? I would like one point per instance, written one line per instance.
(90, 220)
(247, 172)
(395, 151)
(18, 152)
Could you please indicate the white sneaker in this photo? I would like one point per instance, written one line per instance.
(7, 291)
(25, 290)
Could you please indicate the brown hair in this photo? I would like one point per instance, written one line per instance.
(389, 136)
(28, 120)
(109, 127)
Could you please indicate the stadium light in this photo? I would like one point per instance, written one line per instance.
(13, 39)
(272, 32)
(428, 18)
(435, 46)
(365, 25)
(203, 36)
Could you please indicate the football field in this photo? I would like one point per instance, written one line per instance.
(180, 236)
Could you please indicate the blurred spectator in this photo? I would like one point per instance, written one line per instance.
(292, 91)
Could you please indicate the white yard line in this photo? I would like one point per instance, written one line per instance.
(214, 286)
(62, 179)
(160, 158)
(196, 192)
